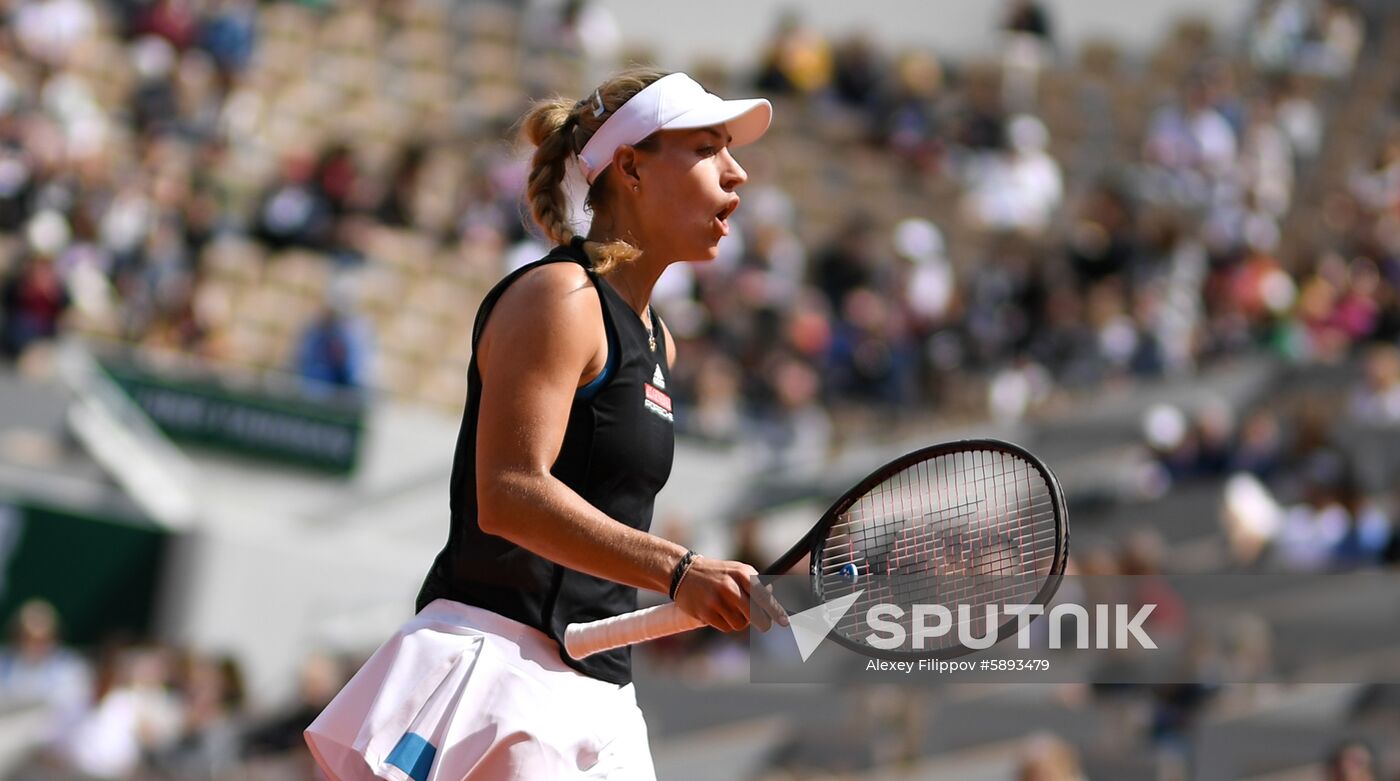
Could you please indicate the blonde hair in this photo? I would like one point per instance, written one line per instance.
(558, 129)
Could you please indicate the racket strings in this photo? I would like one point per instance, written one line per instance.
(972, 528)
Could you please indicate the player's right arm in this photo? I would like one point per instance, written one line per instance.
(544, 339)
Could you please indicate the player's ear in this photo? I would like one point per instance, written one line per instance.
(626, 160)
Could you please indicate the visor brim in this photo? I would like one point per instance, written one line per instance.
(746, 120)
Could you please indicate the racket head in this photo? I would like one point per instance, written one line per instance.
(975, 522)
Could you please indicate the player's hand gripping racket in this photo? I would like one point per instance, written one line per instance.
(976, 523)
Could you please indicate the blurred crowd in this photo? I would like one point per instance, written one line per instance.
(919, 237)
(1307, 487)
(109, 125)
(1139, 249)
(1019, 237)
(147, 712)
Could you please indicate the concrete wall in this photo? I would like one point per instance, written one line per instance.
(272, 601)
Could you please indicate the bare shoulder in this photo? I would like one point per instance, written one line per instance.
(548, 283)
(551, 311)
(554, 293)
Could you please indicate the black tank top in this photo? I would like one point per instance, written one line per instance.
(616, 454)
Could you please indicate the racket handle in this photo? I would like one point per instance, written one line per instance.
(591, 637)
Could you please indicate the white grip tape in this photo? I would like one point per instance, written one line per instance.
(586, 639)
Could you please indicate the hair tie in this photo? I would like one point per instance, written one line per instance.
(598, 108)
(574, 129)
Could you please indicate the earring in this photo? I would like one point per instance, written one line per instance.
(636, 188)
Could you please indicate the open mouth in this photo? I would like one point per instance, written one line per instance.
(722, 216)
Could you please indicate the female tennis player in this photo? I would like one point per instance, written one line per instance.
(566, 439)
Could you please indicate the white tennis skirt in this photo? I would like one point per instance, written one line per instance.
(460, 693)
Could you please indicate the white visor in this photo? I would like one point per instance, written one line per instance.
(674, 102)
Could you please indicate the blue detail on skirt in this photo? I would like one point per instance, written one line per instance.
(414, 756)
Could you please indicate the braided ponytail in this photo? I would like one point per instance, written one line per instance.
(548, 128)
(558, 129)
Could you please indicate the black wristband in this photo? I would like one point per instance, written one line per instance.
(682, 567)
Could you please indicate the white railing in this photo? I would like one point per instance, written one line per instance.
(124, 441)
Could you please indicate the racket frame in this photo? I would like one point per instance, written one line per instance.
(810, 542)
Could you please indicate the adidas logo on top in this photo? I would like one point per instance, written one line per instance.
(657, 379)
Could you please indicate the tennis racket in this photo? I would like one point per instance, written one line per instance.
(975, 522)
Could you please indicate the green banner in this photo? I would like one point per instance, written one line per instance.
(101, 574)
(204, 409)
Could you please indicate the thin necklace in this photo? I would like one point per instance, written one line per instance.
(645, 317)
(651, 335)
